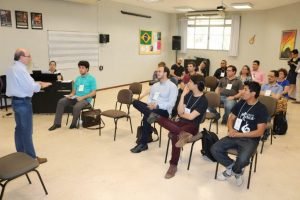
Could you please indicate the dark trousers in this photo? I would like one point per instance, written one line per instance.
(22, 108)
(175, 128)
(246, 147)
(146, 128)
(64, 102)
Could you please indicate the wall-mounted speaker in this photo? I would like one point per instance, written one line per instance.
(103, 38)
(176, 43)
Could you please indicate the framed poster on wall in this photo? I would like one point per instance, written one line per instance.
(150, 42)
(21, 19)
(36, 20)
(287, 44)
(5, 17)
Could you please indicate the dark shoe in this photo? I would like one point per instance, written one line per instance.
(53, 127)
(171, 171)
(152, 118)
(296, 102)
(72, 126)
(224, 122)
(139, 148)
(41, 160)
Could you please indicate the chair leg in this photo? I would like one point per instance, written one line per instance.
(67, 119)
(3, 188)
(5, 102)
(190, 158)
(210, 124)
(116, 123)
(159, 142)
(217, 124)
(130, 124)
(262, 147)
(167, 151)
(217, 168)
(255, 162)
(41, 180)
(250, 171)
(28, 178)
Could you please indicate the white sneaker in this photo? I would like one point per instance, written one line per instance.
(224, 175)
(239, 180)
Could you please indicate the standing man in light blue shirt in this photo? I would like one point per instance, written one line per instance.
(20, 86)
(161, 100)
(83, 91)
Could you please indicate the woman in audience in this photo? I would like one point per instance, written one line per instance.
(293, 62)
(283, 82)
(53, 70)
(245, 74)
(191, 109)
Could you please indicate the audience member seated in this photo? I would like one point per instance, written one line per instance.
(298, 85)
(283, 82)
(202, 68)
(246, 124)
(229, 90)
(221, 72)
(154, 76)
(257, 74)
(177, 70)
(245, 74)
(161, 100)
(191, 108)
(272, 88)
(53, 70)
(83, 91)
(292, 75)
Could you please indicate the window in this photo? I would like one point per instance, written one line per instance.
(208, 33)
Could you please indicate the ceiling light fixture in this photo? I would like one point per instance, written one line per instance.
(184, 9)
(221, 7)
(241, 6)
(150, 1)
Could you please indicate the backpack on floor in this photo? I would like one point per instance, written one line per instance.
(208, 139)
(280, 124)
(150, 139)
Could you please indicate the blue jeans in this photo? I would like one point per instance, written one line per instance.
(228, 105)
(246, 147)
(22, 108)
(147, 129)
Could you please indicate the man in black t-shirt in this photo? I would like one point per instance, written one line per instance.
(177, 70)
(221, 71)
(246, 124)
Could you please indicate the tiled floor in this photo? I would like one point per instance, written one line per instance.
(84, 165)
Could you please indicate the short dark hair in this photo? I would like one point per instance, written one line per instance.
(276, 73)
(18, 55)
(194, 65)
(295, 51)
(253, 87)
(232, 67)
(167, 70)
(161, 64)
(257, 62)
(284, 71)
(199, 80)
(52, 61)
(84, 63)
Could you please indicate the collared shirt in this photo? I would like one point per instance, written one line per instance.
(84, 85)
(258, 76)
(275, 88)
(164, 95)
(19, 83)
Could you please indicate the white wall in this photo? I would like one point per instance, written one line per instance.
(120, 58)
(267, 26)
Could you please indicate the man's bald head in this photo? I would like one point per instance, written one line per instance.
(23, 56)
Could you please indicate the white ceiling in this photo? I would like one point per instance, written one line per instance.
(169, 5)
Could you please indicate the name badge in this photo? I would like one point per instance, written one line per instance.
(81, 88)
(268, 93)
(187, 110)
(228, 86)
(222, 74)
(155, 96)
(237, 124)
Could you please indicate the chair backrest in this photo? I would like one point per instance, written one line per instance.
(211, 82)
(2, 84)
(213, 99)
(125, 96)
(136, 88)
(270, 103)
(94, 100)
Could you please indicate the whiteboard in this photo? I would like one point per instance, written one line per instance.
(68, 48)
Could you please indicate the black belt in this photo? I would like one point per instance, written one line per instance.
(21, 98)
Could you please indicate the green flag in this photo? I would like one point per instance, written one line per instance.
(146, 37)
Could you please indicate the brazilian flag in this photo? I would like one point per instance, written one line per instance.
(146, 37)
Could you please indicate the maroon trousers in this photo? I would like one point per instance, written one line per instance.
(175, 127)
